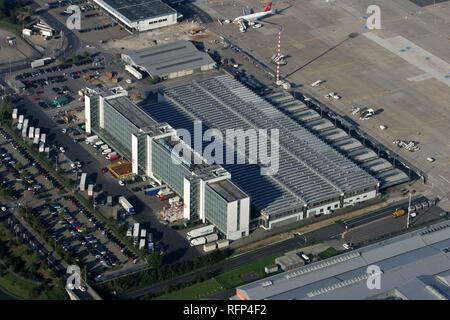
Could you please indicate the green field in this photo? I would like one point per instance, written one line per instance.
(196, 291)
(227, 280)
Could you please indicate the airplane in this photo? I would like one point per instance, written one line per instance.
(252, 17)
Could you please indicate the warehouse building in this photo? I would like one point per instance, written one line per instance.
(412, 266)
(313, 178)
(207, 191)
(169, 61)
(140, 15)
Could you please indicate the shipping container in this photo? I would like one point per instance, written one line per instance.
(203, 231)
(223, 243)
(211, 237)
(208, 247)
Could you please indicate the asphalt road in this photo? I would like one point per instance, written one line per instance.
(73, 42)
(333, 231)
(176, 247)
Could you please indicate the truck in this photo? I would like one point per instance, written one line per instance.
(107, 151)
(398, 213)
(112, 156)
(41, 147)
(43, 137)
(40, 62)
(126, 205)
(133, 71)
(165, 194)
(37, 132)
(83, 181)
(143, 234)
(199, 232)
(142, 244)
(152, 191)
(36, 139)
(135, 233)
(31, 133)
(90, 190)
(197, 241)
(14, 113)
(91, 139)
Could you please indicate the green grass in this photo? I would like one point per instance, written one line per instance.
(196, 291)
(234, 278)
(330, 252)
(225, 281)
(16, 285)
(7, 25)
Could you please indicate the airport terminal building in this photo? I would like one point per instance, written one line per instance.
(208, 193)
(313, 178)
(140, 15)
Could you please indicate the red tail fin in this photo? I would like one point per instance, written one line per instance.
(269, 7)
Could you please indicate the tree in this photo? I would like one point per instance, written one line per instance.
(155, 260)
(154, 79)
(5, 111)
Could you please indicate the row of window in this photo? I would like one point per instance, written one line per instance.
(157, 21)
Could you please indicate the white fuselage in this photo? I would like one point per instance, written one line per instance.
(253, 16)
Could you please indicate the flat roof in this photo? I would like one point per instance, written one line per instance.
(227, 190)
(410, 264)
(132, 112)
(164, 59)
(310, 171)
(137, 10)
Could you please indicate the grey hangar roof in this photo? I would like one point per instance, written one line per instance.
(415, 265)
(168, 58)
(310, 171)
(136, 10)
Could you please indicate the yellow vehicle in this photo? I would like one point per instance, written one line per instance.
(399, 213)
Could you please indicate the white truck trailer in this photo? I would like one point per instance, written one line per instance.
(199, 232)
(83, 181)
(91, 139)
(205, 239)
(126, 205)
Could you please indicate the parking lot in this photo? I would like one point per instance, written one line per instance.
(68, 222)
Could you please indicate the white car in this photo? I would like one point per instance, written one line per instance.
(62, 149)
(129, 81)
(431, 159)
(3, 208)
(121, 183)
(257, 25)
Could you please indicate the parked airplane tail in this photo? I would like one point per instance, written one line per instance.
(269, 7)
